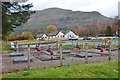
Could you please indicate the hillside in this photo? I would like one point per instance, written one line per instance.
(63, 19)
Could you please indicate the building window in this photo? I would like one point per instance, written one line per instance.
(63, 36)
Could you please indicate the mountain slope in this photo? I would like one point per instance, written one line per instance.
(62, 19)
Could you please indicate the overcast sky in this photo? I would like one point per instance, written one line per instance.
(108, 8)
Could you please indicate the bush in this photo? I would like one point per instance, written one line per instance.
(8, 48)
(22, 36)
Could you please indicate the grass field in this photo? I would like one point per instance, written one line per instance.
(94, 70)
(34, 42)
(37, 41)
(89, 46)
(6, 49)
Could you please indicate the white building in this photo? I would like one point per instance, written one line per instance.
(59, 34)
(39, 36)
(71, 34)
(44, 36)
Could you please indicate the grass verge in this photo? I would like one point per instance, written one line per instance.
(6, 49)
(93, 70)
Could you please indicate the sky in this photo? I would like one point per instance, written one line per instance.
(107, 8)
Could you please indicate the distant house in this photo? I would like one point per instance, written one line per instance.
(44, 36)
(52, 35)
(39, 36)
(71, 34)
(59, 34)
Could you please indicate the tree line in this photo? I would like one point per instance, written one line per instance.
(95, 30)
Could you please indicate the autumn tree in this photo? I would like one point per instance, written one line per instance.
(80, 31)
(22, 36)
(114, 28)
(115, 25)
(27, 35)
(51, 28)
(101, 28)
(88, 30)
(91, 30)
(11, 36)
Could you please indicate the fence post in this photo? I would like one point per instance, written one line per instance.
(39, 41)
(61, 63)
(6, 41)
(29, 54)
(106, 41)
(109, 51)
(83, 44)
(94, 44)
(17, 46)
(86, 56)
(72, 44)
(57, 44)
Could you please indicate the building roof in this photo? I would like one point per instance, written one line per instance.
(39, 35)
(53, 33)
(69, 31)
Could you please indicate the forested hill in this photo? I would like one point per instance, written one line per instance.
(63, 19)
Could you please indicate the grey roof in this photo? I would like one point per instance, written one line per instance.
(39, 35)
(53, 33)
(69, 31)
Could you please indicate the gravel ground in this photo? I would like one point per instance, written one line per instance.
(8, 66)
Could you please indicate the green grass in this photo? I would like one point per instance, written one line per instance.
(89, 46)
(37, 41)
(67, 46)
(94, 70)
(34, 42)
(6, 48)
(112, 40)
